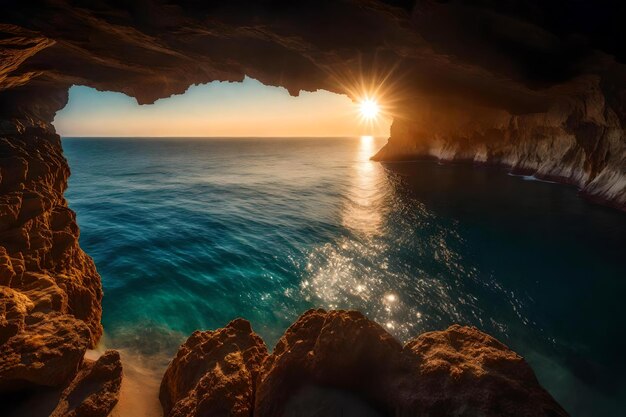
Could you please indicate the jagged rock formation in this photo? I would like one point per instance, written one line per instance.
(457, 372)
(338, 349)
(94, 391)
(214, 373)
(51, 293)
(538, 86)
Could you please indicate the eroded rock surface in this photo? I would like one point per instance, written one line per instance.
(462, 371)
(340, 363)
(95, 390)
(579, 140)
(336, 349)
(214, 373)
(48, 352)
(50, 293)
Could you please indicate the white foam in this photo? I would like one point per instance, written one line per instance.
(531, 178)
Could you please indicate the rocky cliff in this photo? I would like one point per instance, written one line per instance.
(50, 291)
(579, 140)
(537, 86)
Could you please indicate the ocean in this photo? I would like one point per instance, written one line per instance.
(191, 233)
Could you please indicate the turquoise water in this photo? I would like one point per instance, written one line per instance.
(191, 233)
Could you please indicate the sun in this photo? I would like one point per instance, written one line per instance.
(369, 109)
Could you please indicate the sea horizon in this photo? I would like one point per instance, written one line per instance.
(222, 137)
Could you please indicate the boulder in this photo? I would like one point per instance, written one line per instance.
(462, 371)
(336, 349)
(47, 351)
(339, 363)
(214, 373)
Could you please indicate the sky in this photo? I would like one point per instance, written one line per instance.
(221, 109)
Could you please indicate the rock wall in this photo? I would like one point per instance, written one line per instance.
(50, 291)
(579, 140)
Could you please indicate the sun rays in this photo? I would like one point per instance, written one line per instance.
(369, 109)
(374, 90)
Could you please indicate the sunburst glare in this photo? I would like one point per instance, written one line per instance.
(369, 109)
(375, 91)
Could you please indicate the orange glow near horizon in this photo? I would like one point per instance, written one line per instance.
(218, 109)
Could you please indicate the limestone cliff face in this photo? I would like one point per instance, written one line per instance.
(579, 140)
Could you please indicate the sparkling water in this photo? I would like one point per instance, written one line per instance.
(191, 233)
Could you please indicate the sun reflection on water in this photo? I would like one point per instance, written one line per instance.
(362, 213)
(338, 277)
(395, 262)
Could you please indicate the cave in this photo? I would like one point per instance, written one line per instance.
(534, 88)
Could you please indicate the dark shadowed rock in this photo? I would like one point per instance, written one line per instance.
(464, 372)
(341, 362)
(214, 373)
(95, 390)
(336, 349)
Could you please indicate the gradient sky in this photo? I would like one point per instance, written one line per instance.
(221, 109)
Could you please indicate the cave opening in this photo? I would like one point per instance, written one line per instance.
(192, 234)
(220, 109)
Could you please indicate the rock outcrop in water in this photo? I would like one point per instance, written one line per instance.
(463, 371)
(341, 357)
